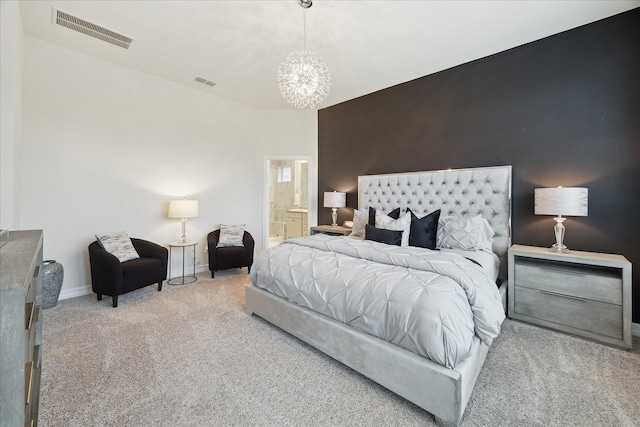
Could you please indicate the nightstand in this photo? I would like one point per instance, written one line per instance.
(583, 293)
(332, 231)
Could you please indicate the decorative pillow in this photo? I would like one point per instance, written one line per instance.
(360, 219)
(118, 245)
(367, 216)
(395, 214)
(390, 237)
(231, 235)
(424, 230)
(403, 224)
(464, 233)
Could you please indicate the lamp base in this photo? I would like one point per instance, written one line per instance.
(183, 239)
(558, 230)
(334, 217)
(563, 249)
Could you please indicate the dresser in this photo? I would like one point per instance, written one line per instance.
(20, 328)
(583, 293)
(297, 225)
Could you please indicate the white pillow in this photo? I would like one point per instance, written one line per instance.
(231, 235)
(403, 223)
(464, 233)
(360, 220)
(118, 245)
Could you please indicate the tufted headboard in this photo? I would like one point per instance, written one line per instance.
(464, 192)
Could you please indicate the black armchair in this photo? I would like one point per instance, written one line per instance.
(230, 256)
(111, 277)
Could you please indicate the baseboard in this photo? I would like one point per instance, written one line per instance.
(75, 292)
(635, 329)
(86, 290)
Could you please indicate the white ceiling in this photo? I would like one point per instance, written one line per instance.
(368, 45)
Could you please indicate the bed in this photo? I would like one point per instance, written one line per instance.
(442, 388)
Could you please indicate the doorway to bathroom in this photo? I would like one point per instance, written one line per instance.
(287, 198)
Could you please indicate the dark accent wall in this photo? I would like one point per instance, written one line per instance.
(564, 110)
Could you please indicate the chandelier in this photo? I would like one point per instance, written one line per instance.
(303, 78)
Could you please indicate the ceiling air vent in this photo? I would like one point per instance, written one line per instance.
(90, 29)
(205, 81)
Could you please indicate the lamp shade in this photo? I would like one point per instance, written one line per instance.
(335, 199)
(568, 201)
(183, 208)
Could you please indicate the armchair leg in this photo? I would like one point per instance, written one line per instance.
(115, 301)
(248, 269)
(99, 297)
(159, 285)
(212, 274)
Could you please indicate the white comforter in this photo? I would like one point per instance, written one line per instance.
(428, 302)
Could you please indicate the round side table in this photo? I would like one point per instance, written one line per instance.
(184, 279)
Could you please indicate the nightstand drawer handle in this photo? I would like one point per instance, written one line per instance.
(562, 295)
(559, 270)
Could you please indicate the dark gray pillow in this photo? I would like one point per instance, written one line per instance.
(390, 237)
(395, 214)
(424, 230)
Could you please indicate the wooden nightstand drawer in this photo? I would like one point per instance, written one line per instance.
(586, 282)
(594, 316)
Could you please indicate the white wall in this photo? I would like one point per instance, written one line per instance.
(11, 40)
(105, 148)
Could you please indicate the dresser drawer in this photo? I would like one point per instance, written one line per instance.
(588, 315)
(30, 333)
(587, 282)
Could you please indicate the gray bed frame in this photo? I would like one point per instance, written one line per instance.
(441, 391)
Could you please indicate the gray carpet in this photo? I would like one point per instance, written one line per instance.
(190, 356)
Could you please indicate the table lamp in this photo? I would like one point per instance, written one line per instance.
(183, 209)
(569, 201)
(335, 200)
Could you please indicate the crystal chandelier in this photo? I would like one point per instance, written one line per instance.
(303, 78)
